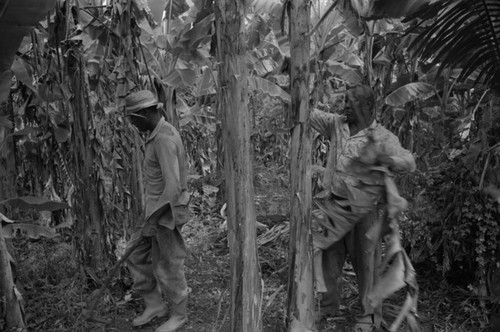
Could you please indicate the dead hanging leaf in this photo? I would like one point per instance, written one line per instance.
(268, 87)
(198, 35)
(51, 93)
(397, 270)
(406, 312)
(21, 72)
(395, 203)
(61, 134)
(389, 283)
(31, 231)
(40, 204)
(410, 273)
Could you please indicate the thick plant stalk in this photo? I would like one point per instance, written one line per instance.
(246, 295)
(300, 281)
(86, 148)
(14, 316)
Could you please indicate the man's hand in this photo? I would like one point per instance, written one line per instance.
(397, 164)
(385, 160)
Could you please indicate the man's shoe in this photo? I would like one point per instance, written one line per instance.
(365, 324)
(155, 307)
(177, 320)
(321, 322)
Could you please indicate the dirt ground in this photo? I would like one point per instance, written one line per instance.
(54, 298)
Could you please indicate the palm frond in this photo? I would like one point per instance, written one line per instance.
(465, 34)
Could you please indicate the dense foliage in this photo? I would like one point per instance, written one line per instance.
(67, 139)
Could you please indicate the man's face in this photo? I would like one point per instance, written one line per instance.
(140, 120)
(356, 108)
(352, 107)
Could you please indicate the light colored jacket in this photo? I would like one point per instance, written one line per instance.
(346, 178)
(165, 178)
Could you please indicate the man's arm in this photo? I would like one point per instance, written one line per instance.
(324, 122)
(166, 154)
(404, 163)
(392, 154)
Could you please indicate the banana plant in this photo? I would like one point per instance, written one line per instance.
(17, 19)
(10, 228)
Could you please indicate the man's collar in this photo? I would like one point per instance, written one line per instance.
(364, 132)
(156, 130)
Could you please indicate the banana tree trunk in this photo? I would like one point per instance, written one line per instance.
(13, 314)
(300, 280)
(246, 297)
(89, 210)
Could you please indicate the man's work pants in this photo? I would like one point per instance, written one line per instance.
(365, 256)
(159, 262)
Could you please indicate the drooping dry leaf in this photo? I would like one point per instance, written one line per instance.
(31, 231)
(40, 204)
(390, 282)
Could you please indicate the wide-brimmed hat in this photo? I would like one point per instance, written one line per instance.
(139, 100)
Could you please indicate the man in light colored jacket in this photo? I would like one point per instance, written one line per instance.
(348, 205)
(157, 265)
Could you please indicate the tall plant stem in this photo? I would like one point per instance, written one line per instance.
(14, 316)
(300, 259)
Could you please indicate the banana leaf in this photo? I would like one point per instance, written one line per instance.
(40, 204)
(410, 92)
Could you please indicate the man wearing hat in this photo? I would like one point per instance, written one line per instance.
(157, 265)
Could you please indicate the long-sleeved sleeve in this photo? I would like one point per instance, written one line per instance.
(332, 127)
(404, 162)
(323, 122)
(167, 183)
(166, 152)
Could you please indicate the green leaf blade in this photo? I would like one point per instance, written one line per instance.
(410, 92)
